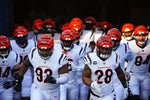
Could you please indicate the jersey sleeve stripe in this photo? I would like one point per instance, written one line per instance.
(60, 58)
(85, 46)
(116, 57)
(16, 57)
(80, 50)
(125, 47)
(89, 59)
(85, 60)
(32, 53)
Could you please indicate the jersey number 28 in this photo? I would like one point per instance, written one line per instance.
(108, 75)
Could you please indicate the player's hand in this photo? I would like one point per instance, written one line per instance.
(51, 79)
(8, 84)
(95, 86)
(127, 76)
(125, 93)
(18, 83)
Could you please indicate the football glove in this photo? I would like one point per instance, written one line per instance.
(8, 84)
(125, 93)
(96, 87)
(51, 79)
(18, 82)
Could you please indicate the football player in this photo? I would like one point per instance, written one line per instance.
(127, 32)
(98, 31)
(77, 24)
(106, 27)
(49, 27)
(83, 89)
(8, 60)
(99, 70)
(140, 79)
(22, 45)
(125, 53)
(37, 29)
(69, 91)
(50, 70)
(89, 23)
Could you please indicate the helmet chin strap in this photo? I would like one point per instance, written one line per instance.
(128, 38)
(142, 43)
(67, 48)
(45, 58)
(103, 56)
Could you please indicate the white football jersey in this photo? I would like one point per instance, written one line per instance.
(86, 36)
(76, 53)
(6, 66)
(142, 56)
(23, 52)
(96, 35)
(85, 46)
(42, 68)
(125, 53)
(86, 49)
(123, 40)
(102, 71)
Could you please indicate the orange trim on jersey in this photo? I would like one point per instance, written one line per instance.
(65, 52)
(44, 66)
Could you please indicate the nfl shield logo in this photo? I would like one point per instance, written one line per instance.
(94, 62)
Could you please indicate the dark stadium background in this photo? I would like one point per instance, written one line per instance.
(117, 12)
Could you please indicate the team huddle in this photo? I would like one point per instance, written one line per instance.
(88, 60)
